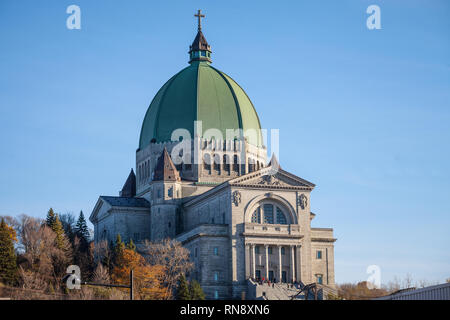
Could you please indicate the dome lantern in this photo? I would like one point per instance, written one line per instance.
(200, 49)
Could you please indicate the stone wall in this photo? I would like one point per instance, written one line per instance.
(130, 224)
(209, 250)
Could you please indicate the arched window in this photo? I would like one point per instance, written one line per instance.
(236, 164)
(145, 170)
(217, 163)
(256, 216)
(281, 218)
(207, 163)
(179, 166)
(187, 162)
(250, 165)
(226, 164)
(269, 213)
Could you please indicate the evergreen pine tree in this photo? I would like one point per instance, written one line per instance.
(119, 248)
(8, 263)
(81, 228)
(196, 291)
(83, 251)
(131, 245)
(182, 292)
(59, 231)
(50, 217)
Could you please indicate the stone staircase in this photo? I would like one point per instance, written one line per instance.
(277, 291)
(282, 291)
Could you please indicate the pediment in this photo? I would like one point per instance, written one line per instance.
(267, 178)
(100, 210)
(94, 215)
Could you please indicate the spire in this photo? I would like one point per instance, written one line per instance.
(200, 49)
(129, 188)
(274, 165)
(165, 170)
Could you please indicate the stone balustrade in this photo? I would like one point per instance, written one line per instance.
(272, 229)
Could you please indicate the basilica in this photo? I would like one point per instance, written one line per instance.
(203, 178)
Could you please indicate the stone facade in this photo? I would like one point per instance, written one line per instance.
(252, 225)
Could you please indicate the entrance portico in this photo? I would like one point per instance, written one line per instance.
(273, 261)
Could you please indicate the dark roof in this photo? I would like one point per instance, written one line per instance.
(165, 170)
(129, 188)
(200, 43)
(126, 202)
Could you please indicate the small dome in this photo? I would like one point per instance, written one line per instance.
(200, 93)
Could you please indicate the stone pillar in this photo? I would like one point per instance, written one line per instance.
(298, 263)
(253, 262)
(266, 267)
(247, 261)
(292, 264)
(280, 267)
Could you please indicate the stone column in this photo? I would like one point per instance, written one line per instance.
(292, 264)
(280, 267)
(247, 261)
(298, 263)
(266, 246)
(253, 262)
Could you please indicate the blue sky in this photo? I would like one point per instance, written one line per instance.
(364, 114)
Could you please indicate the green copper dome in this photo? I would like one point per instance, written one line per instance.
(199, 93)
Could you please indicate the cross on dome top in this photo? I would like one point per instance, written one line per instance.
(199, 15)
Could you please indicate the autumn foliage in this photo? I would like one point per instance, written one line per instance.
(12, 233)
(35, 254)
(147, 278)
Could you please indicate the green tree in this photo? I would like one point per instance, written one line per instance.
(8, 263)
(81, 229)
(131, 246)
(182, 292)
(50, 217)
(119, 248)
(59, 231)
(196, 291)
